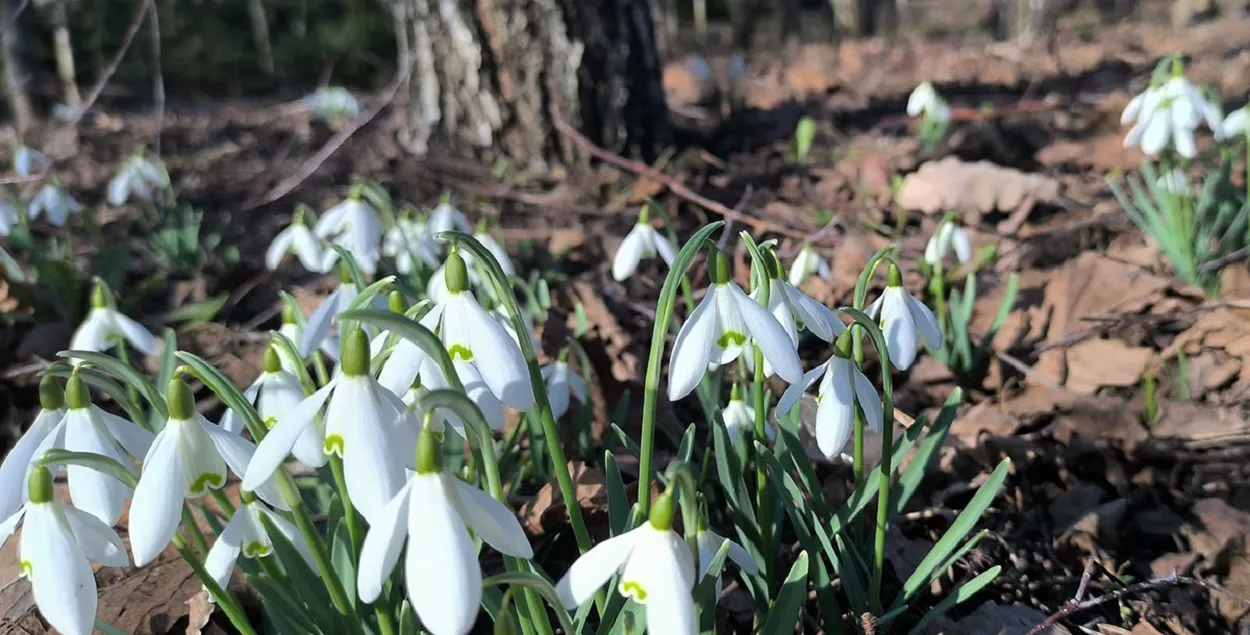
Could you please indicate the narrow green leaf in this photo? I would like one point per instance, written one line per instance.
(295, 309)
(926, 453)
(97, 462)
(618, 501)
(108, 629)
(956, 597)
(105, 384)
(705, 589)
(127, 374)
(197, 312)
(290, 350)
(286, 612)
(341, 550)
(785, 612)
(539, 584)
(226, 391)
(686, 449)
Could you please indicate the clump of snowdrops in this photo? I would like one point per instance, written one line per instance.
(392, 395)
(1198, 228)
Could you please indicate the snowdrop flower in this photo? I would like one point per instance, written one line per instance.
(277, 392)
(86, 428)
(105, 327)
(14, 469)
(407, 242)
(1173, 182)
(948, 235)
(842, 388)
(924, 100)
(363, 425)
(561, 383)
(291, 329)
(1237, 123)
(332, 102)
(796, 310)
(446, 217)
(27, 161)
(434, 512)
(473, 337)
(717, 331)
(657, 571)
(1169, 114)
(137, 177)
(709, 543)
(189, 456)
(356, 227)
(299, 241)
(53, 202)
(321, 330)
(245, 535)
(9, 217)
(500, 254)
(643, 241)
(56, 549)
(904, 319)
(807, 263)
(501, 316)
(739, 421)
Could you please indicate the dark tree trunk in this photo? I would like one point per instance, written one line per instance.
(488, 76)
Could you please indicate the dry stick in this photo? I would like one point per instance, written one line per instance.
(131, 31)
(306, 170)
(674, 185)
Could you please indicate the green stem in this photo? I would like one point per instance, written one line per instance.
(764, 506)
(193, 528)
(883, 510)
(319, 365)
(858, 448)
(124, 355)
(386, 623)
(224, 599)
(354, 530)
(227, 507)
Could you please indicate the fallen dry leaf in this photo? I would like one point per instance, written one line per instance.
(546, 510)
(1092, 287)
(981, 187)
(604, 323)
(1198, 423)
(199, 612)
(1097, 363)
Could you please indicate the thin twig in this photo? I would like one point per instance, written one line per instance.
(674, 185)
(1230, 257)
(100, 83)
(158, 79)
(287, 185)
(1148, 585)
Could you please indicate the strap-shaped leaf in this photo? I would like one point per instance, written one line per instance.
(124, 372)
(956, 597)
(227, 392)
(542, 586)
(793, 595)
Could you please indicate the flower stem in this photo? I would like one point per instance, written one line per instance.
(883, 509)
(226, 600)
(764, 506)
(223, 502)
(321, 557)
(124, 355)
(349, 510)
(193, 528)
(386, 624)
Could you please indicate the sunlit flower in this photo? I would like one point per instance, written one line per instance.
(105, 327)
(53, 202)
(363, 425)
(446, 217)
(656, 567)
(408, 242)
(495, 249)
(298, 240)
(1237, 123)
(843, 386)
(321, 330)
(14, 469)
(9, 217)
(796, 311)
(189, 456)
(709, 543)
(56, 549)
(332, 102)
(904, 320)
(643, 241)
(924, 100)
(434, 513)
(27, 161)
(807, 263)
(245, 535)
(948, 235)
(356, 227)
(561, 383)
(88, 429)
(138, 177)
(739, 421)
(1169, 114)
(277, 393)
(718, 331)
(1174, 181)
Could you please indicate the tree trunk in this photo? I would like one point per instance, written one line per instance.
(488, 76)
(260, 34)
(64, 50)
(14, 71)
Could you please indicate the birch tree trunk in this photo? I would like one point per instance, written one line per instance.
(489, 76)
(64, 50)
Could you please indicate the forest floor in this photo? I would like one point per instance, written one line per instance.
(1098, 498)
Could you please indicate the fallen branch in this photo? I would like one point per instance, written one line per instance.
(96, 90)
(675, 186)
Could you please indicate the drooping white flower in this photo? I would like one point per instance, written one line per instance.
(363, 425)
(299, 241)
(924, 100)
(88, 429)
(1168, 115)
(739, 421)
(797, 311)
(904, 321)
(446, 217)
(355, 226)
(245, 535)
(277, 393)
(139, 177)
(471, 336)
(656, 567)
(502, 318)
(332, 102)
(495, 249)
(53, 202)
(188, 456)
(16, 465)
(643, 241)
(1173, 181)
(718, 331)
(28, 161)
(434, 513)
(408, 242)
(948, 235)
(842, 387)
(561, 383)
(105, 327)
(321, 331)
(807, 263)
(1237, 123)
(709, 543)
(9, 217)
(56, 549)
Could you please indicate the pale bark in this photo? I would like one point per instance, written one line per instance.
(14, 70)
(260, 34)
(64, 50)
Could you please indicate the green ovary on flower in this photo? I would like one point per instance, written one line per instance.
(731, 338)
(51, 397)
(39, 487)
(76, 395)
(204, 481)
(634, 590)
(355, 352)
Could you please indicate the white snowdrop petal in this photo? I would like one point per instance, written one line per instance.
(274, 448)
(670, 607)
(739, 556)
(790, 398)
(962, 244)
(382, 546)
(477, 391)
(577, 385)
(98, 541)
(372, 465)
(401, 367)
(94, 332)
(237, 452)
(1184, 139)
(139, 337)
(898, 329)
(156, 508)
(318, 327)
(225, 551)
(692, 349)
(490, 519)
(498, 358)
(628, 255)
(662, 246)
(596, 567)
(835, 415)
(869, 401)
(1132, 109)
(62, 581)
(1158, 129)
(135, 440)
(769, 335)
(16, 466)
(442, 573)
(10, 524)
(822, 321)
(93, 491)
(307, 249)
(205, 468)
(279, 247)
(925, 321)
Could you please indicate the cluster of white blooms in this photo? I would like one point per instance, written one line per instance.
(925, 101)
(1167, 114)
